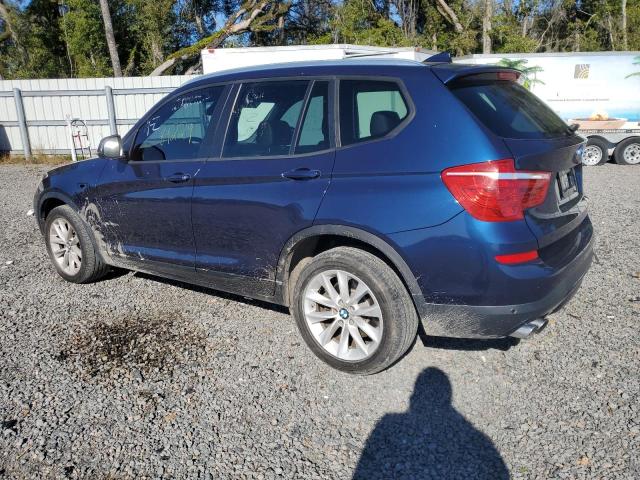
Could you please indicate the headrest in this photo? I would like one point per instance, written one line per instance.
(383, 122)
(274, 132)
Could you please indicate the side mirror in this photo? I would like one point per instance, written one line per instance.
(110, 147)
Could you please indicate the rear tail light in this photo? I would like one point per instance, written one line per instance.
(495, 191)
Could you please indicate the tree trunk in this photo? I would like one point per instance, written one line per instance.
(281, 30)
(611, 39)
(240, 22)
(111, 39)
(451, 15)
(486, 26)
(625, 40)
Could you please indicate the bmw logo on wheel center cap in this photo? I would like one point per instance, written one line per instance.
(344, 313)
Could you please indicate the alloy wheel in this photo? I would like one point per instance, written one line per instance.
(343, 315)
(65, 246)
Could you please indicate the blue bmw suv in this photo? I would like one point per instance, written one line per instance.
(365, 195)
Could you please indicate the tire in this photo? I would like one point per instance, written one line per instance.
(64, 230)
(391, 320)
(628, 152)
(595, 153)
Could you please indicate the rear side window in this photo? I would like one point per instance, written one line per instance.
(509, 110)
(264, 119)
(369, 109)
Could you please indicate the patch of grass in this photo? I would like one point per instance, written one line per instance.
(36, 159)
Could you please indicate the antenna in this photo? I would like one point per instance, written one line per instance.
(442, 57)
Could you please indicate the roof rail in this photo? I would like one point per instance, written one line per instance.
(442, 57)
(367, 54)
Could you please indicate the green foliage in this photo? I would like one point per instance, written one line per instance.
(83, 31)
(36, 41)
(358, 22)
(528, 73)
(636, 62)
(154, 23)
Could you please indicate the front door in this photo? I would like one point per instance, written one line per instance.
(143, 201)
(274, 167)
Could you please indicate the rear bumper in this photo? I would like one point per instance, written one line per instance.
(494, 321)
(468, 321)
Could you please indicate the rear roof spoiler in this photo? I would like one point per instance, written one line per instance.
(447, 73)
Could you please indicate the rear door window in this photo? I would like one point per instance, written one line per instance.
(369, 109)
(264, 119)
(508, 109)
(314, 133)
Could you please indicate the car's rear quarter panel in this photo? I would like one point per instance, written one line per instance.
(393, 184)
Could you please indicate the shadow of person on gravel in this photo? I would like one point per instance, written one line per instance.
(429, 441)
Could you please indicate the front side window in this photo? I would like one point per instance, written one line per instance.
(264, 119)
(177, 129)
(369, 109)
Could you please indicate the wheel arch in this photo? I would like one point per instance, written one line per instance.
(602, 139)
(319, 238)
(50, 200)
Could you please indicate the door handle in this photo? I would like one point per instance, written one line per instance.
(301, 174)
(178, 178)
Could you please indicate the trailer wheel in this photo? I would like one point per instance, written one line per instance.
(628, 152)
(595, 153)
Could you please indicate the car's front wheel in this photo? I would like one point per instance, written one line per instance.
(353, 311)
(70, 247)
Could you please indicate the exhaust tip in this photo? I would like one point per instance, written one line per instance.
(528, 329)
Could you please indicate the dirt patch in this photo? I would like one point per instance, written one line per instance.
(136, 345)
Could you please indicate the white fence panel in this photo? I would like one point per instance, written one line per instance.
(48, 103)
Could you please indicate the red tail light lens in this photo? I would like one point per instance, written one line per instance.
(495, 191)
(514, 258)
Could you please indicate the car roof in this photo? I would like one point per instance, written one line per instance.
(348, 66)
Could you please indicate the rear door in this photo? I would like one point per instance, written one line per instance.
(538, 140)
(267, 182)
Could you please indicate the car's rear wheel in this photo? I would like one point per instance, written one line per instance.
(595, 153)
(71, 248)
(628, 152)
(353, 311)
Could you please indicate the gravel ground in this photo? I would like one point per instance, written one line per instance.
(135, 377)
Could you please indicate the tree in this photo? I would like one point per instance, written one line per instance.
(111, 39)
(448, 13)
(360, 23)
(252, 15)
(527, 72)
(634, 74)
(486, 26)
(625, 38)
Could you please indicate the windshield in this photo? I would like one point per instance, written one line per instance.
(509, 110)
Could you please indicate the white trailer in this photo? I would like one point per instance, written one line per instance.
(599, 91)
(219, 59)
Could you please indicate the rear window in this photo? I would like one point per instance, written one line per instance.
(509, 110)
